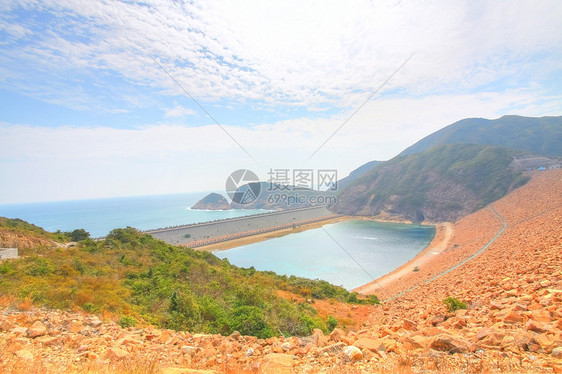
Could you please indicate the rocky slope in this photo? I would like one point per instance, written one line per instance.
(513, 321)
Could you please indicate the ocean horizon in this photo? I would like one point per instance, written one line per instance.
(100, 216)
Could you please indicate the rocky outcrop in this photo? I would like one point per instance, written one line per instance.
(212, 201)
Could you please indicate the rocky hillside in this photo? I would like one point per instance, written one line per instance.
(440, 184)
(540, 136)
(511, 320)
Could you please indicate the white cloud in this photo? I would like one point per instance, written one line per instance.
(295, 53)
(179, 111)
(77, 162)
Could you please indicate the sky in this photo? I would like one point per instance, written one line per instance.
(123, 98)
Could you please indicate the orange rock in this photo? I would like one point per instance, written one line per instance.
(512, 317)
(116, 354)
(24, 354)
(450, 344)
(276, 363)
(353, 353)
(37, 329)
(535, 326)
(367, 343)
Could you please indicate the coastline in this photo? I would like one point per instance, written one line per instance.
(443, 235)
(270, 235)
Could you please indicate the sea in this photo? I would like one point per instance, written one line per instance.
(349, 253)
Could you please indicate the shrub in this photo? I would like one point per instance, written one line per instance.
(331, 323)
(88, 307)
(127, 321)
(453, 304)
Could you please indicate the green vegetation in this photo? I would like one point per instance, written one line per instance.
(541, 136)
(130, 277)
(26, 228)
(440, 183)
(453, 304)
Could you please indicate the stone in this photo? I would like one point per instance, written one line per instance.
(337, 334)
(450, 344)
(37, 329)
(250, 352)
(512, 317)
(116, 354)
(353, 353)
(557, 352)
(437, 319)
(47, 340)
(276, 363)
(334, 348)
(535, 326)
(367, 343)
(24, 354)
(409, 325)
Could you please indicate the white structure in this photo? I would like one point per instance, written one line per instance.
(6, 253)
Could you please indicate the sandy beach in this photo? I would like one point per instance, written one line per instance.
(443, 234)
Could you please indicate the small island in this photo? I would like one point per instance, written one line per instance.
(212, 201)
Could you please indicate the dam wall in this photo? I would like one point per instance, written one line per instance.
(217, 231)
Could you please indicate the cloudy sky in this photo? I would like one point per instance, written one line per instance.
(95, 95)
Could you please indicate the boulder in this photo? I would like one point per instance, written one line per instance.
(116, 354)
(24, 354)
(450, 344)
(352, 353)
(367, 343)
(37, 329)
(276, 363)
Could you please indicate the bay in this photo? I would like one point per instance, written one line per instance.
(349, 253)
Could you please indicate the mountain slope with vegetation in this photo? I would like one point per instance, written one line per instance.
(443, 183)
(540, 136)
(132, 277)
(357, 173)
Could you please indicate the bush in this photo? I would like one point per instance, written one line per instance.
(454, 304)
(78, 235)
(127, 321)
(249, 320)
(331, 323)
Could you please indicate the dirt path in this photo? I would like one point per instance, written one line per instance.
(435, 248)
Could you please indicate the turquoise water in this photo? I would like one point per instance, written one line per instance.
(334, 252)
(331, 253)
(99, 216)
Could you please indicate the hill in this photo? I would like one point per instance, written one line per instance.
(212, 201)
(443, 183)
(357, 173)
(540, 136)
(136, 278)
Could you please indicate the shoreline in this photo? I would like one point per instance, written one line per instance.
(439, 243)
(269, 235)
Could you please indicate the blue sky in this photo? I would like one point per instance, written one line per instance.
(86, 110)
